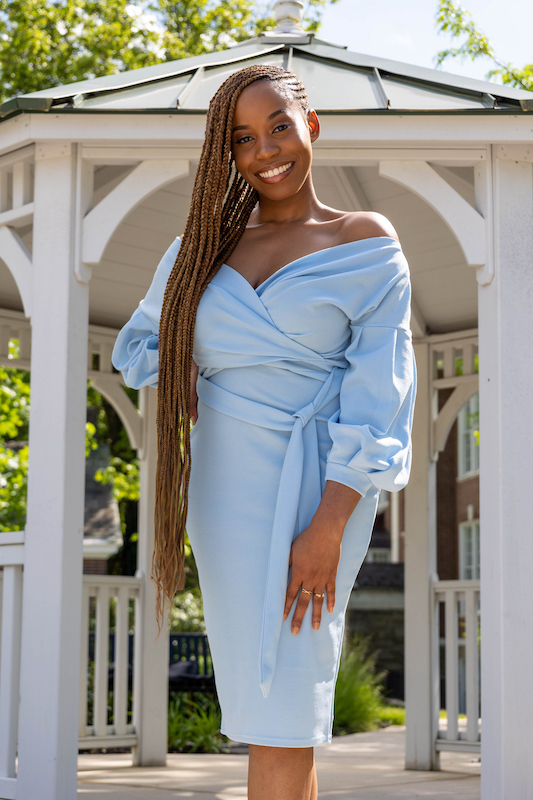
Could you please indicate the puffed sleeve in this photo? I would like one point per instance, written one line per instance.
(136, 350)
(371, 432)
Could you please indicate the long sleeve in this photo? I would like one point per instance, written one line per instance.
(371, 432)
(136, 350)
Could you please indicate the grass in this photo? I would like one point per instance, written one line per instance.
(194, 725)
(359, 690)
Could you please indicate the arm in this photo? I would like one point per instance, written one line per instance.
(370, 433)
(136, 350)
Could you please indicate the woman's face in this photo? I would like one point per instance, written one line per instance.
(271, 140)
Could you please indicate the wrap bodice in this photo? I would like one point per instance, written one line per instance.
(325, 340)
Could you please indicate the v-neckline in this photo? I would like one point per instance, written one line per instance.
(302, 258)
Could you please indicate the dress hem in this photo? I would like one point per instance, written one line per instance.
(268, 741)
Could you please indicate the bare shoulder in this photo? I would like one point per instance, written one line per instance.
(367, 224)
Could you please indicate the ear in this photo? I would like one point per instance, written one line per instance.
(314, 125)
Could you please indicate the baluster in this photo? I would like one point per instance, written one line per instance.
(472, 665)
(10, 667)
(452, 705)
(120, 696)
(84, 662)
(449, 361)
(101, 661)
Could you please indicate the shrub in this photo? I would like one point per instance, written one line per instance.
(358, 693)
(194, 725)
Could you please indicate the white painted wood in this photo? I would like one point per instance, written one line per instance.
(21, 184)
(351, 193)
(448, 413)
(467, 224)
(110, 385)
(56, 486)
(120, 687)
(151, 655)
(101, 661)
(4, 192)
(8, 788)
(506, 477)
(20, 154)
(101, 222)
(451, 664)
(395, 527)
(84, 656)
(421, 689)
(17, 217)
(83, 197)
(472, 665)
(484, 200)
(10, 667)
(418, 323)
(18, 260)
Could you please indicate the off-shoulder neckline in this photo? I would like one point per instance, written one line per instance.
(309, 255)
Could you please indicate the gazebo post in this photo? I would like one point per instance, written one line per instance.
(506, 478)
(421, 695)
(51, 630)
(151, 656)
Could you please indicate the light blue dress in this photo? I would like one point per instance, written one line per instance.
(307, 378)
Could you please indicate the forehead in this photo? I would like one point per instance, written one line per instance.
(261, 98)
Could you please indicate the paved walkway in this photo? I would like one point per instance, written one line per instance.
(362, 766)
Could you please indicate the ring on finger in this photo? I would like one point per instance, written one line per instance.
(306, 591)
(318, 594)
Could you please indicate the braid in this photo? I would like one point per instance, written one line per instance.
(221, 204)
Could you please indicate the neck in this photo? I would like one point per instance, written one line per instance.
(301, 207)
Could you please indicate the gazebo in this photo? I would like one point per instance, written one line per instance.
(95, 179)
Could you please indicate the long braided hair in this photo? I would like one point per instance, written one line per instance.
(221, 204)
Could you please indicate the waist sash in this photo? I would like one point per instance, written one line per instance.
(297, 499)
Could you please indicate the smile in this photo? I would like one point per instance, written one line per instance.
(271, 173)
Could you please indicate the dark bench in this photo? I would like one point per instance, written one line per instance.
(190, 666)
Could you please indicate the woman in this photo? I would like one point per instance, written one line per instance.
(299, 380)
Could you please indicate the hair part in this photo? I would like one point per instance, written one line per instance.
(221, 204)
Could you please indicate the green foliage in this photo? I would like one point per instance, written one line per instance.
(391, 715)
(194, 725)
(358, 693)
(452, 18)
(187, 612)
(14, 421)
(51, 42)
(13, 472)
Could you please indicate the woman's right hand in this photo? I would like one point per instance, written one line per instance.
(194, 395)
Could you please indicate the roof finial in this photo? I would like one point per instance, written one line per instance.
(288, 15)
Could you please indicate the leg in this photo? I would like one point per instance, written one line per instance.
(281, 773)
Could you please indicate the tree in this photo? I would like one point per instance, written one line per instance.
(452, 18)
(47, 43)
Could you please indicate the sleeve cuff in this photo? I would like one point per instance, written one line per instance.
(355, 479)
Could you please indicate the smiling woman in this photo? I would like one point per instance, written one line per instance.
(294, 362)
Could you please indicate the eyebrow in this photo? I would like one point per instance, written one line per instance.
(270, 116)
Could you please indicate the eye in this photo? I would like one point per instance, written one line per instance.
(281, 126)
(243, 139)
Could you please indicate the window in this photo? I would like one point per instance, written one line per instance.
(468, 432)
(469, 550)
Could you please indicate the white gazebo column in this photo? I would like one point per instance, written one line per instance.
(421, 691)
(506, 480)
(50, 657)
(151, 657)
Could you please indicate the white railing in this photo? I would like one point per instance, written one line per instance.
(456, 616)
(103, 596)
(11, 559)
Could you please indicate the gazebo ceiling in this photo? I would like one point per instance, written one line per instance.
(336, 79)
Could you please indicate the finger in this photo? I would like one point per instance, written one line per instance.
(318, 599)
(301, 608)
(292, 591)
(330, 594)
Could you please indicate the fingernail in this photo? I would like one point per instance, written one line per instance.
(316, 625)
(294, 630)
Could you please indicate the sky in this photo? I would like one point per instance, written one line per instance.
(405, 30)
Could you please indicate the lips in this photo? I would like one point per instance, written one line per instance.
(276, 174)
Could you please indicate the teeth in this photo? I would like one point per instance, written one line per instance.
(271, 173)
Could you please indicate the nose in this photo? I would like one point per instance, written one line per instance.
(265, 148)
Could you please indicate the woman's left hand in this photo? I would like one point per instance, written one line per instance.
(315, 554)
(314, 559)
